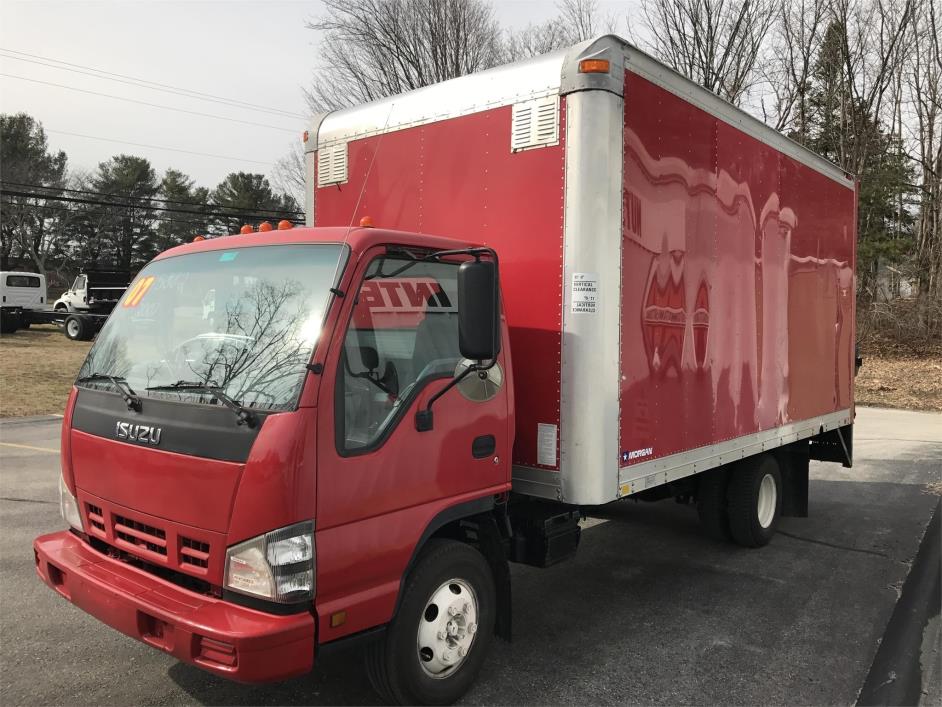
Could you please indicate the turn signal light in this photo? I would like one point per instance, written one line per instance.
(245, 229)
(284, 225)
(594, 66)
(264, 227)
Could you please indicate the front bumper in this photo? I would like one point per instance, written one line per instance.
(227, 639)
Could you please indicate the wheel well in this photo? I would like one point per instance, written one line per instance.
(475, 523)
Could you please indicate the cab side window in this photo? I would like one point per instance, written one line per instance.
(403, 333)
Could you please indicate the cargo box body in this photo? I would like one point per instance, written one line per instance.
(678, 278)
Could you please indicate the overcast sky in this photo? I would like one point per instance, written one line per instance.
(257, 52)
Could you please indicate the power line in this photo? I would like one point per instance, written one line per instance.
(131, 196)
(146, 103)
(143, 83)
(87, 215)
(157, 147)
(69, 199)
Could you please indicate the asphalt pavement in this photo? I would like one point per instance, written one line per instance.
(649, 612)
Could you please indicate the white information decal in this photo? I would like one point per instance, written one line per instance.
(585, 292)
(546, 444)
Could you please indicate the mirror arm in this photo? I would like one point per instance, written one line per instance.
(424, 419)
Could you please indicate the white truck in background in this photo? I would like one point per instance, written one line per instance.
(81, 311)
(19, 291)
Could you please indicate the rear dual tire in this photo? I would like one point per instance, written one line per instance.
(743, 503)
(448, 609)
(78, 328)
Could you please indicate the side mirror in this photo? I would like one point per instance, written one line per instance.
(478, 310)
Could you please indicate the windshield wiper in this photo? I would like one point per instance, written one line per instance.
(127, 392)
(246, 416)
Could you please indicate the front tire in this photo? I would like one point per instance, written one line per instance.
(755, 501)
(437, 642)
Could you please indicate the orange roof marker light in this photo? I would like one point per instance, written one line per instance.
(366, 222)
(246, 229)
(264, 227)
(285, 225)
(199, 238)
(594, 66)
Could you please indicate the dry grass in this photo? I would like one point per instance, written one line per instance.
(901, 381)
(37, 367)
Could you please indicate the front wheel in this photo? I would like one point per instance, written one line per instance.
(436, 644)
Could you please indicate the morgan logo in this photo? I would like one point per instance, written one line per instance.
(637, 454)
(142, 434)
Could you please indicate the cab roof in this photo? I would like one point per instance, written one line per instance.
(359, 240)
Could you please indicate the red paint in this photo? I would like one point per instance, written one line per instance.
(737, 261)
(464, 182)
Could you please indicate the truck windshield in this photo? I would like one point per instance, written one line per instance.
(244, 321)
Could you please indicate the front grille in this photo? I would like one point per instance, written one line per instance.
(142, 536)
(161, 544)
(194, 552)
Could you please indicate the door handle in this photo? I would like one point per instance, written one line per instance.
(483, 446)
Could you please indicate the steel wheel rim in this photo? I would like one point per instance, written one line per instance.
(73, 328)
(765, 504)
(447, 628)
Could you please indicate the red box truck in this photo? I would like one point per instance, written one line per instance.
(287, 439)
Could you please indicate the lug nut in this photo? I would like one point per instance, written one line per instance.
(472, 628)
(448, 656)
(462, 651)
(467, 607)
(441, 635)
(452, 611)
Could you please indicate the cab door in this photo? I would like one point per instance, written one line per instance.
(380, 481)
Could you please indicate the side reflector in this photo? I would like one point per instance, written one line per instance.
(338, 618)
(245, 229)
(264, 227)
(594, 66)
(285, 225)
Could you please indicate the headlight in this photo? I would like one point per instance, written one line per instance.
(277, 566)
(68, 506)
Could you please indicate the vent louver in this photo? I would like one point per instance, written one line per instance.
(535, 124)
(332, 164)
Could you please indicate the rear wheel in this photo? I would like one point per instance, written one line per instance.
(755, 501)
(436, 644)
(9, 322)
(78, 328)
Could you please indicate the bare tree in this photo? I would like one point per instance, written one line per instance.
(377, 48)
(872, 36)
(923, 81)
(793, 45)
(577, 20)
(716, 43)
(288, 176)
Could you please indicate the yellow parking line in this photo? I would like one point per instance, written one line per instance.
(28, 446)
